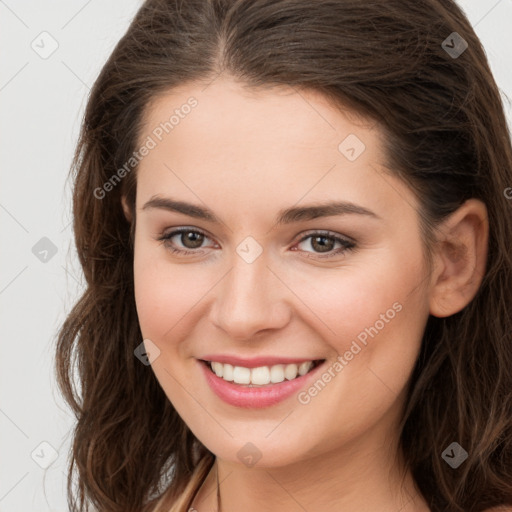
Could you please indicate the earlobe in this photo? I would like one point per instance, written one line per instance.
(460, 257)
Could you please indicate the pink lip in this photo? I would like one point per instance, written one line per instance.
(255, 362)
(256, 397)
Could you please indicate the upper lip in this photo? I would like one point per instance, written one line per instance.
(255, 362)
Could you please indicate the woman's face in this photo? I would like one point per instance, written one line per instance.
(270, 275)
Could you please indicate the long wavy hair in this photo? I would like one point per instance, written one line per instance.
(446, 137)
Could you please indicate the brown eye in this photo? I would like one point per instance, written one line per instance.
(183, 240)
(325, 243)
(191, 239)
(322, 243)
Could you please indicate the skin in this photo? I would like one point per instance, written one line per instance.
(246, 155)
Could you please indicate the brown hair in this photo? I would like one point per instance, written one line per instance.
(446, 137)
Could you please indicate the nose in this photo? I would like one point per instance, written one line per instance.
(250, 299)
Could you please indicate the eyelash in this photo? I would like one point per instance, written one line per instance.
(348, 245)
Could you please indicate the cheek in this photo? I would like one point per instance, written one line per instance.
(356, 297)
(372, 315)
(165, 293)
(378, 316)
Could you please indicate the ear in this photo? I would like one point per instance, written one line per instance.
(126, 209)
(460, 258)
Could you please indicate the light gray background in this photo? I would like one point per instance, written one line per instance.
(41, 104)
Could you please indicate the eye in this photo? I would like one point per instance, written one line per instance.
(323, 242)
(190, 239)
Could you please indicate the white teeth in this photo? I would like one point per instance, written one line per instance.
(227, 372)
(261, 375)
(277, 373)
(217, 368)
(305, 367)
(241, 375)
(290, 371)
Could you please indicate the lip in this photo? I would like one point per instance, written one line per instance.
(255, 362)
(256, 397)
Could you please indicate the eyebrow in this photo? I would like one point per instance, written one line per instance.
(285, 216)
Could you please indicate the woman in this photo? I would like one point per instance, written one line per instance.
(293, 220)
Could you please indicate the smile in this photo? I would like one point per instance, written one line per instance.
(262, 375)
(258, 386)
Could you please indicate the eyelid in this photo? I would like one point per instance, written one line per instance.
(298, 238)
(325, 232)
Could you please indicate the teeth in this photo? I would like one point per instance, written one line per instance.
(305, 367)
(241, 375)
(290, 371)
(262, 375)
(218, 368)
(227, 372)
(277, 373)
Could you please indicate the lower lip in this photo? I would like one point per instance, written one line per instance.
(256, 397)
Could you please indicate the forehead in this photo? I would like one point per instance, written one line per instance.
(278, 114)
(258, 147)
